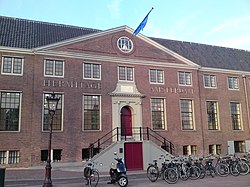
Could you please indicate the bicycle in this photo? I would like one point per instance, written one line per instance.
(168, 174)
(91, 174)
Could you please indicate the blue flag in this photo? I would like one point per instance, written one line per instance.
(142, 24)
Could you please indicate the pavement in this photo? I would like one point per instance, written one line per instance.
(59, 171)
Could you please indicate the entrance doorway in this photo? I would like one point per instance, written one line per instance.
(126, 121)
(133, 155)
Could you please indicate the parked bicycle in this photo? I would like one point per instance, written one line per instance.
(168, 174)
(91, 174)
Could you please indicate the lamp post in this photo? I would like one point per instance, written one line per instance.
(52, 102)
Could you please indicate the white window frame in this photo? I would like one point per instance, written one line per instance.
(20, 110)
(193, 115)
(217, 115)
(100, 114)
(92, 71)
(210, 81)
(126, 74)
(240, 115)
(236, 86)
(12, 65)
(156, 71)
(61, 99)
(53, 74)
(185, 77)
(164, 113)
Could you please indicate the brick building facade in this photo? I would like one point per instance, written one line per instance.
(194, 95)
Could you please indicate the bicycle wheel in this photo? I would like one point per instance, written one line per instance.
(152, 173)
(222, 170)
(194, 172)
(234, 169)
(244, 168)
(94, 178)
(203, 171)
(170, 175)
(184, 173)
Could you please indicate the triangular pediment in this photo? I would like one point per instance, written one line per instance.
(105, 44)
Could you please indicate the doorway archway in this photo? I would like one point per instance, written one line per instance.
(126, 121)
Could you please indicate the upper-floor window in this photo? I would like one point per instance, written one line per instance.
(209, 81)
(233, 83)
(10, 111)
(158, 113)
(54, 68)
(126, 73)
(184, 78)
(91, 115)
(235, 115)
(212, 115)
(186, 109)
(57, 118)
(156, 76)
(12, 65)
(91, 71)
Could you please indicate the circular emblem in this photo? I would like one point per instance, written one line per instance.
(125, 44)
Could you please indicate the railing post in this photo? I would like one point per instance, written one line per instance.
(147, 133)
(98, 144)
(117, 134)
(140, 134)
(91, 150)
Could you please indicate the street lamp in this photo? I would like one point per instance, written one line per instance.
(52, 102)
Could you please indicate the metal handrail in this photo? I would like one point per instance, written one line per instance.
(166, 144)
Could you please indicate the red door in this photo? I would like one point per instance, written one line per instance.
(133, 155)
(126, 121)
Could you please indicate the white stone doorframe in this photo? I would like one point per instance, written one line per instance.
(134, 103)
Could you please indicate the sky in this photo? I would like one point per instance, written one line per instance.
(223, 23)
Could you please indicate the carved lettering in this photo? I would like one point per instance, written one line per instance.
(162, 89)
(71, 84)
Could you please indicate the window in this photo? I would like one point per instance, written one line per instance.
(57, 119)
(14, 157)
(54, 68)
(57, 155)
(44, 155)
(158, 116)
(125, 44)
(87, 153)
(91, 112)
(3, 157)
(209, 81)
(233, 83)
(126, 73)
(10, 111)
(239, 147)
(12, 65)
(185, 78)
(212, 115)
(91, 71)
(215, 149)
(189, 150)
(186, 108)
(235, 115)
(156, 76)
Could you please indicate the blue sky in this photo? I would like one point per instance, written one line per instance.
(214, 22)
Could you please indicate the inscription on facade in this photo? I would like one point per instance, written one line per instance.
(161, 89)
(72, 84)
